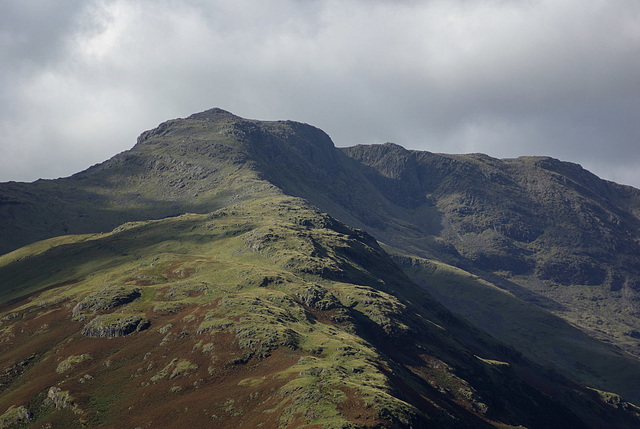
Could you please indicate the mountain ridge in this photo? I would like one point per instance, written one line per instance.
(194, 186)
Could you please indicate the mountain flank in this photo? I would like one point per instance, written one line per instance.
(224, 271)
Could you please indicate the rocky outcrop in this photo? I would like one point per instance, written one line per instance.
(14, 371)
(15, 416)
(315, 296)
(115, 325)
(62, 399)
(106, 299)
(71, 362)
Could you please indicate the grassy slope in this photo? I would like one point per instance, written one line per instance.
(263, 314)
(208, 162)
(535, 331)
(213, 302)
(501, 221)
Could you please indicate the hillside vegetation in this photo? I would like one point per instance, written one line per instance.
(262, 314)
(202, 278)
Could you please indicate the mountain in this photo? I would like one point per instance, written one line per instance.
(224, 272)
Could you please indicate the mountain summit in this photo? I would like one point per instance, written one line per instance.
(242, 273)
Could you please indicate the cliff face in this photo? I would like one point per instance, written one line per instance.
(525, 215)
(548, 231)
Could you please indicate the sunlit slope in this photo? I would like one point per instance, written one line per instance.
(182, 279)
(267, 313)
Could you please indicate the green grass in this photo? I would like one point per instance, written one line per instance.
(538, 333)
(267, 296)
(262, 295)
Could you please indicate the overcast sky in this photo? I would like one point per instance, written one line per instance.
(81, 79)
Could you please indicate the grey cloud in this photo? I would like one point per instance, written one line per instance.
(34, 32)
(503, 78)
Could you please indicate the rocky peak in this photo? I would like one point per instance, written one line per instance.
(215, 115)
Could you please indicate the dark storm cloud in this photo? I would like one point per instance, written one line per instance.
(83, 79)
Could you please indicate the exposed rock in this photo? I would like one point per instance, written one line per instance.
(106, 299)
(164, 371)
(184, 368)
(15, 416)
(71, 362)
(175, 368)
(317, 297)
(63, 400)
(115, 325)
(14, 371)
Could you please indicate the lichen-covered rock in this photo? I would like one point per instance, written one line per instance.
(316, 297)
(175, 368)
(106, 299)
(115, 325)
(62, 399)
(15, 416)
(72, 361)
(183, 368)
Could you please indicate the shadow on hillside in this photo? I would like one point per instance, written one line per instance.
(532, 329)
(523, 293)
